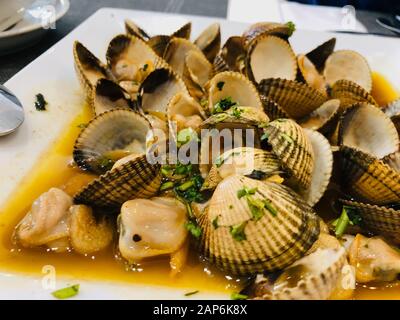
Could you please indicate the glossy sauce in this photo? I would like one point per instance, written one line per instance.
(54, 169)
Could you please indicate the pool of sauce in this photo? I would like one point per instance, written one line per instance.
(54, 169)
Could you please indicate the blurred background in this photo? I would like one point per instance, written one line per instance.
(356, 16)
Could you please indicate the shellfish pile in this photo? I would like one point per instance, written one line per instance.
(250, 209)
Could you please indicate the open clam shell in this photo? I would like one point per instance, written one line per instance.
(209, 41)
(324, 119)
(108, 95)
(183, 32)
(280, 30)
(88, 68)
(369, 179)
(272, 109)
(323, 166)
(133, 29)
(368, 129)
(297, 99)
(136, 178)
(348, 65)
(270, 57)
(231, 56)
(309, 74)
(349, 93)
(393, 160)
(241, 243)
(319, 55)
(378, 219)
(176, 51)
(130, 58)
(235, 86)
(293, 148)
(255, 163)
(158, 88)
(118, 130)
(197, 71)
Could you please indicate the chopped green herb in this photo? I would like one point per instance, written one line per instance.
(82, 125)
(145, 67)
(237, 231)
(230, 206)
(256, 207)
(223, 105)
(220, 85)
(193, 228)
(183, 169)
(292, 27)
(67, 292)
(185, 186)
(246, 191)
(355, 218)
(342, 223)
(268, 205)
(236, 112)
(186, 135)
(238, 296)
(40, 103)
(204, 103)
(190, 190)
(265, 136)
(215, 222)
(287, 137)
(167, 185)
(188, 294)
(166, 170)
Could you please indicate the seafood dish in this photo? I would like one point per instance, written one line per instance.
(267, 174)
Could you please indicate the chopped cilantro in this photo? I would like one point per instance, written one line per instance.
(67, 292)
(193, 228)
(238, 296)
(292, 27)
(245, 191)
(256, 207)
(190, 190)
(223, 105)
(183, 169)
(40, 103)
(220, 85)
(268, 205)
(167, 185)
(237, 231)
(236, 112)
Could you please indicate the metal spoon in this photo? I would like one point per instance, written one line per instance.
(387, 24)
(11, 112)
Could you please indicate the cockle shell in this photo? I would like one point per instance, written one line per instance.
(280, 30)
(319, 55)
(231, 57)
(309, 74)
(209, 41)
(272, 109)
(132, 28)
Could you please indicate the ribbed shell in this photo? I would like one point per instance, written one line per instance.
(309, 74)
(291, 145)
(272, 242)
(184, 31)
(348, 65)
(159, 43)
(230, 57)
(319, 55)
(368, 178)
(133, 29)
(297, 99)
(323, 166)
(393, 111)
(272, 109)
(393, 160)
(321, 281)
(134, 179)
(349, 93)
(236, 86)
(256, 161)
(368, 129)
(266, 28)
(111, 130)
(209, 41)
(270, 57)
(88, 67)
(381, 220)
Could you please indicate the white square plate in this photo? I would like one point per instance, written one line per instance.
(53, 75)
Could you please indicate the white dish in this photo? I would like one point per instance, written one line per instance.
(53, 75)
(40, 17)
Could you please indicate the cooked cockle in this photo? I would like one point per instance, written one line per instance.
(350, 93)
(297, 99)
(393, 160)
(228, 88)
(209, 41)
(108, 95)
(324, 119)
(322, 169)
(47, 222)
(251, 226)
(231, 57)
(280, 30)
(374, 259)
(270, 57)
(133, 29)
(255, 163)
(88, 234)
(88, 68)
(109, 135)
(131, 59)
(294, 150)
(319, 55)
(176, 51)
(151, 227)
(366, 128)
(369, 178)
(393, 111)
(309, 74)
(272, 109)
(348, 65)
(158, 89)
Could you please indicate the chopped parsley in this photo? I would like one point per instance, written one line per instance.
(268, 205)
(188, 294)
(245, 192)
(223, 105)
(193, 228)
(256, 207)
(237, 231)
(40, 103)
(238, 296)
(348, 216)
(236, 112)
(167, 185)
(67, 292)
(220, 85)
(190, 189)
(292, 27)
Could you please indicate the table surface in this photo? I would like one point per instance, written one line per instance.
(81, 9)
